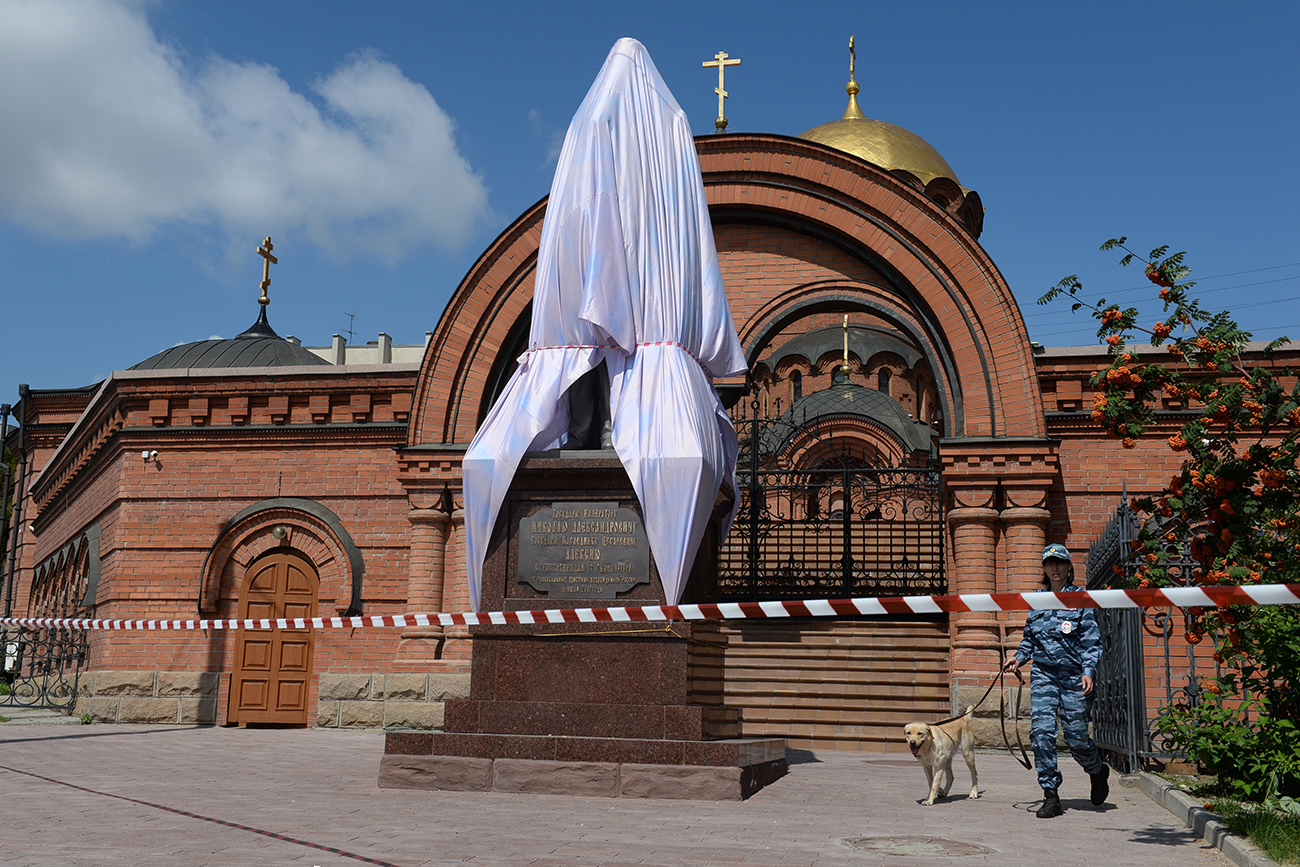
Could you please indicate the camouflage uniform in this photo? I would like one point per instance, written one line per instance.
(1065, 645)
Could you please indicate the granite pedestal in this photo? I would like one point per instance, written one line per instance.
(593, 709)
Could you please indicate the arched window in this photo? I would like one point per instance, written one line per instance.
(796, 386)
(882, 380)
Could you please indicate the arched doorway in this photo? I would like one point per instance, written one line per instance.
(272, 672)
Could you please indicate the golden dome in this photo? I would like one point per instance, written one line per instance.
(884, 144)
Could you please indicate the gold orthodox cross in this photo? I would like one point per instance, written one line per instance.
(265, 252)
(721, 61)
(844, 367)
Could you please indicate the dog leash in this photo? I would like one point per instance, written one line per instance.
(998, 678)
(1023, 758)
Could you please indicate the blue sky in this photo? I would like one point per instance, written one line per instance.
(146, 148)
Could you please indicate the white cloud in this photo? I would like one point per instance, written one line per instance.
(105, 133)
(550, 135)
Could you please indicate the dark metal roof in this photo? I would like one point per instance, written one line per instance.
(259, 346)
(847, 399)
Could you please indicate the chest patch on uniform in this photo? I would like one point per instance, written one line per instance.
(1066, 627)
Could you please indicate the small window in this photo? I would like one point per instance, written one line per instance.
(796, 385)
(882, 380)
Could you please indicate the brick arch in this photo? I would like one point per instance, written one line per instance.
(933, 263)
(800, 301)
(311, 530)
(477, 322)
(939, 279)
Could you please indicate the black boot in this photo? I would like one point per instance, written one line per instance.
(1051, 805)
(1100, 788)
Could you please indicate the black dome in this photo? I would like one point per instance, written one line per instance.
(259, 346)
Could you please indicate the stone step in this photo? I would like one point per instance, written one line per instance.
(36, 716)
(837, 685)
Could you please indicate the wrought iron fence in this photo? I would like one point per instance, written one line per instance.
(41, 667)
(837, 528)
(1142, 673)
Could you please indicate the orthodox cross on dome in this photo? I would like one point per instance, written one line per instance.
(844, 366)
(852, 112)
(722, 61)
(265, 252)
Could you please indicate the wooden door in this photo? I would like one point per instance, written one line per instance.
(273, 666)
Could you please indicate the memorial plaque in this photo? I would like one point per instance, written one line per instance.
(583, 550)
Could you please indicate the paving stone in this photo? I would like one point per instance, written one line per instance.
(319, 789)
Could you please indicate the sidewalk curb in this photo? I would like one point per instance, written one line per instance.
(1239, 850)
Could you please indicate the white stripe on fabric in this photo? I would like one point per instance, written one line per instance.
(1187, 596)
(819, 608)
(1271, 594)
(1113, 599)
(774, 609)
(1043, 600)
(981, 602)
(869, 606)
(923, 604)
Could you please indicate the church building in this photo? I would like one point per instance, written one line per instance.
(900, 435)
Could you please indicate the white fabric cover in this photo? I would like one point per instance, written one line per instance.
(627, 273)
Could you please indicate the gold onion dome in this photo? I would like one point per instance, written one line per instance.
(884, 144)
(876, 141)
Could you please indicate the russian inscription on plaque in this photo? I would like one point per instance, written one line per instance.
(583, 550)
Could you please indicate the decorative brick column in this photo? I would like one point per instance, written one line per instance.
(997, 521)
(1024, 530)
(424, 587)
(456, 649)
(973, 523)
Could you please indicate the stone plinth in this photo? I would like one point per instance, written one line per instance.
(593, 709)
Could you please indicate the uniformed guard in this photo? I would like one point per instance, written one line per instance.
(1065, 646)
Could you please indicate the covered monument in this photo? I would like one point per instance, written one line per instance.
(627, 276)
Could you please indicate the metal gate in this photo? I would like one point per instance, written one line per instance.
(1137, 645)
(41, 666)
(822, 522)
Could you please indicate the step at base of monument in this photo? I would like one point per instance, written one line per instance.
(723, 770)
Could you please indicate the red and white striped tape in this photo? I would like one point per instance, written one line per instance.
(1178, 597)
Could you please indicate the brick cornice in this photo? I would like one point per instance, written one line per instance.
(353, 404)
(1000, 460)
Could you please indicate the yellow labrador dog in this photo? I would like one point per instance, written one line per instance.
(936, 746)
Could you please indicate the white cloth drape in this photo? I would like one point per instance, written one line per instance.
(627, 273)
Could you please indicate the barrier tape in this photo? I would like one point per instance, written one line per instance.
(1177, 597)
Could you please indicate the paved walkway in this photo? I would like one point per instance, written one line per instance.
(126, 794)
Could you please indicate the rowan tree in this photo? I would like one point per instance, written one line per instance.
(1232, 507)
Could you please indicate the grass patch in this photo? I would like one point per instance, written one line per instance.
(5, 719)
(1275, 832)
